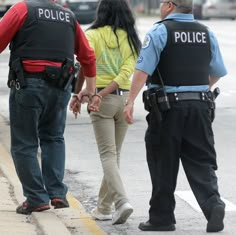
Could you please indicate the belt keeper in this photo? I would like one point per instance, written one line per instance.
(176, 96)
(203, 96)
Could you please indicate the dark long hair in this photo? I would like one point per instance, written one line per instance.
(118, 14)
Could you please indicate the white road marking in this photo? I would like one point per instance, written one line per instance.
(190, 199)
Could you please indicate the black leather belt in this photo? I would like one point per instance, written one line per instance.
(118, 91)
(178, 96)
(40, 75)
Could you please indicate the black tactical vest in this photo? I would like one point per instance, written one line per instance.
(47, 34)
(185, 59)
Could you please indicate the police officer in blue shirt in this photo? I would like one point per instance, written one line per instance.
(180, 60)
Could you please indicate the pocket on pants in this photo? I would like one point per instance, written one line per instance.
(27, 99)
(30, 95)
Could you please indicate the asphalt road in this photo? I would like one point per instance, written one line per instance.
(84, 171)
(83, 168)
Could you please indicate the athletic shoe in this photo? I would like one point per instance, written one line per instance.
(122, 214)
(59, 203)
(100, 216)
(26, 209)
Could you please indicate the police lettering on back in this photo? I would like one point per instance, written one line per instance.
(190, 37)
(53, 15)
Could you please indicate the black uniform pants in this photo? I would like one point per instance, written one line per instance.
(185, 133)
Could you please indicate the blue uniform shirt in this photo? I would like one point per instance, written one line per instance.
(155, 42)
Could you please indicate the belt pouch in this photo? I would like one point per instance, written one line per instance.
(53, 76)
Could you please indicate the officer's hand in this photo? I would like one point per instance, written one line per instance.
(128, 112)
(75, 105)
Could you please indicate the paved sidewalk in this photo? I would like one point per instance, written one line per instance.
(73, 220)
(10, 222)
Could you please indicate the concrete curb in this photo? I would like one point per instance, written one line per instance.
(49, 222)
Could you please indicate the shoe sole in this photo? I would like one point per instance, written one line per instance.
(99, 216)
(59, 204)
(123, 216)
(215, 223)
(40, 209)
(101, 219)
(162, 228)
(43, 208)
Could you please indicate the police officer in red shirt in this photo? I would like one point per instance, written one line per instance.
(43, 37)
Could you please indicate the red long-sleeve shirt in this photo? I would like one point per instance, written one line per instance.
(12, 22)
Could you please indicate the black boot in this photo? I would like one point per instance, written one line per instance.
(147, 226)
(215, 222)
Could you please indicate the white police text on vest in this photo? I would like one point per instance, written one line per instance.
(53, 15)
(192, 37)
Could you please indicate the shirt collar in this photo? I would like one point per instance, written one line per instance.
(180, 17)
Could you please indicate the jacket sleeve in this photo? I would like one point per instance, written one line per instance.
(126, 70)
(84, 53)
(127, 67)
(11, 22)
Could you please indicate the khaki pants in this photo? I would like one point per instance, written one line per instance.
(110, 129)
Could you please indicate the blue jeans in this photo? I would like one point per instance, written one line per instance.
(37, 118)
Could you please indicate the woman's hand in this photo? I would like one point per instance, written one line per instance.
(84, 96)
(95, 103)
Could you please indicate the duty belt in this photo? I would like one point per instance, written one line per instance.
(180, 96)
(118, 91)
(40, 75)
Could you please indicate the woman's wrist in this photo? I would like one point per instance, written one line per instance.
(75, 96)
(129, 102)
(98, 95)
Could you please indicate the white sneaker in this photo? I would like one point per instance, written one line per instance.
(122, 214)
(99, 216)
